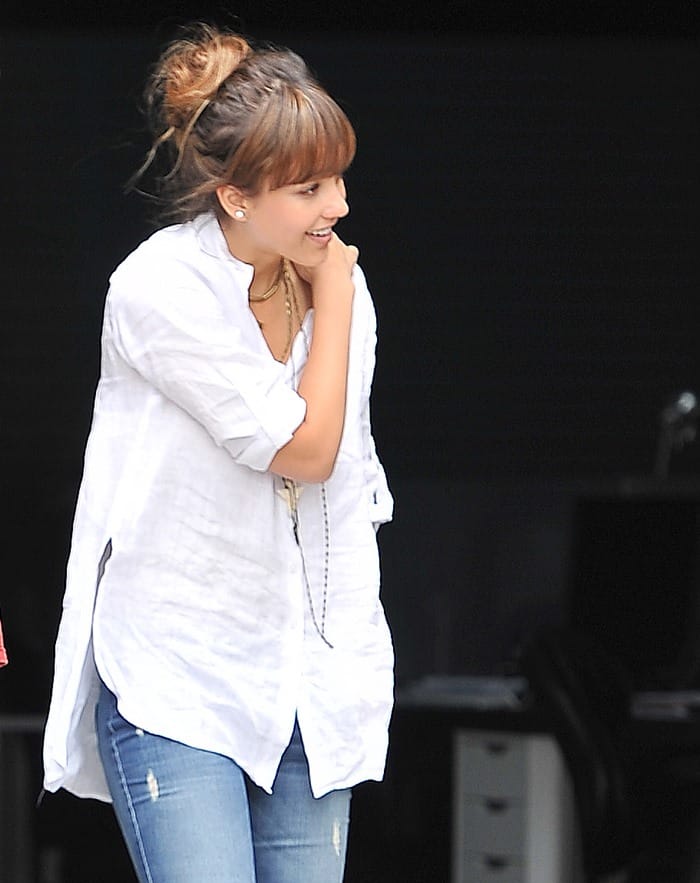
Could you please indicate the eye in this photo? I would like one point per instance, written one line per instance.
(309, 189)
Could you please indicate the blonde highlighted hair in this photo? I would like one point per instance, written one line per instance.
(225, 112)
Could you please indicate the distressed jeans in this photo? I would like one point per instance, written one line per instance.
(192, 816)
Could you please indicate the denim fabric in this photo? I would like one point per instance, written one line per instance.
(190, 815)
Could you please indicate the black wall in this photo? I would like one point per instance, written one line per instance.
(526, 210)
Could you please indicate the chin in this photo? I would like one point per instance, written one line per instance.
(318, 257)
(310, 260)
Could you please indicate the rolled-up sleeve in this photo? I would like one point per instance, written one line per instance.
(186, 346)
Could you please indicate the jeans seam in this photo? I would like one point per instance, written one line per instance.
(130, 805)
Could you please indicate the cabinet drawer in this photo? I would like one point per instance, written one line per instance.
(492, 868)
(490, 764)
(492, 825)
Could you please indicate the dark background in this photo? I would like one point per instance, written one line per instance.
(525, 200)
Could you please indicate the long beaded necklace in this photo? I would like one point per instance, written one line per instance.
(290, 493)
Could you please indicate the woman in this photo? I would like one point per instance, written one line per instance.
(223, 665)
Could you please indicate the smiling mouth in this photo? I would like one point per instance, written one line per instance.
(325, 231)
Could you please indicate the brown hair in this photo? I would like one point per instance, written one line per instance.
(224, 112)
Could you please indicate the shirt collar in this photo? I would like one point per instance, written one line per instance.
(213, 242)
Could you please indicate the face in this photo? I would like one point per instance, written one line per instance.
(294, 221)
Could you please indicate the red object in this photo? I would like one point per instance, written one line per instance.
(3, 652)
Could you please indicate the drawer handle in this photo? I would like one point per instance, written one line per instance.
(496, 862)
(496, 804)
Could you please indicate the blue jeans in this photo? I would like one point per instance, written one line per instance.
(189, 815)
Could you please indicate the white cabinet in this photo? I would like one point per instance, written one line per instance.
(514, 817)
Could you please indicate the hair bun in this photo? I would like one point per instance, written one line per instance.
(193, 68)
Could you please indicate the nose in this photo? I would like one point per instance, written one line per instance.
(337, 206)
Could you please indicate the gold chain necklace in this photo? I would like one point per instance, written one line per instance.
(291, 304)
(291, 307)
(266, 295)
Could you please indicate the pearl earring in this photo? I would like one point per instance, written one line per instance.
(239, 213)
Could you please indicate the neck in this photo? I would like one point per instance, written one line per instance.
(266, 266)
(262, 292)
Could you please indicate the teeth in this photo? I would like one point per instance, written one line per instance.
(324, 232)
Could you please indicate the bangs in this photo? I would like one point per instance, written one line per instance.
(300, 135)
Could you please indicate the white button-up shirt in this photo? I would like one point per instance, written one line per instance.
(186, 586)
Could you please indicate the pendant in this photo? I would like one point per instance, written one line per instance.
(290, 493)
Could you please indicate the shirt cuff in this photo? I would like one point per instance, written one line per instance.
(279, 415)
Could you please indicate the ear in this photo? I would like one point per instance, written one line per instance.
(232, 201)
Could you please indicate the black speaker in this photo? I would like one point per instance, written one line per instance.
(635, 584)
